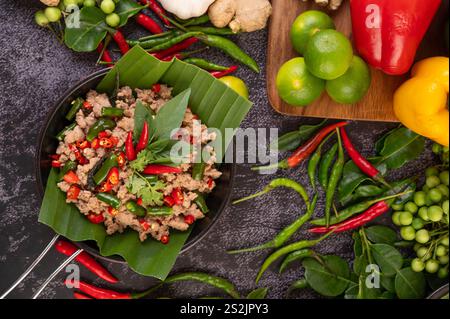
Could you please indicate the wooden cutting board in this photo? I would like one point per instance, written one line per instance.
(377, 105)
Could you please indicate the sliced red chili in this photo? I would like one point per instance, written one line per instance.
(156, 88)
(210, 183)
(87, 105)
(144, 224)
(95, 144)
(112, 211)
(103, 134)
(189, 219)
(73, 192)
(113, 176)
(83, 144)
(96, 219)
(56, 164)
(169, 201)
(105, 187)
(71, 177)
(121, 160)
(140, 202)
(177, 196)
(165, 239)
(106, 142)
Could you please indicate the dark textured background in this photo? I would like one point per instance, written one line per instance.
(35, 70)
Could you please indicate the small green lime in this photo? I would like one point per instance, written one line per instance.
(296, 85)
(53, 14)
(113, 20)
(107, 6)
(40, 19)
(236, 84)
(328, 54)
(351, 87)
(306, 25)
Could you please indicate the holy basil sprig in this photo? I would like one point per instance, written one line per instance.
(150, 193)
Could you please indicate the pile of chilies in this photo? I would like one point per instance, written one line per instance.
(166, 46)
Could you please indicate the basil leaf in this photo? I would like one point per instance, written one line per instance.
(126, 9)
(388, 258)
(171, 114)
(410, 284)
(400, 147)
(85, 29)
(330, 279)
(259, 293)
(380, 234)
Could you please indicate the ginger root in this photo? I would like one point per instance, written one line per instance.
(240, 15)
(50, 3)
(331, 4)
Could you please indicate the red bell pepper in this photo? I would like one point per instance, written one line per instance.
(387, 33)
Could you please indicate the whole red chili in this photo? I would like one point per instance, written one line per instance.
(363, 164)
(56, 164)
(78, 295)
(99, 293)
(221, 74)
(106, 57)
(157, 9)
(113, 176)
(189, 219)
(96, 218)
(373, 212)
(121, 42)
(165, 239)
(156, 169)
(169, 201)
(121, 160)
(148, 23)
(177, 196)
(73, 192)
(176, 48)
(129, 148)
(143, 140)
(67, 248)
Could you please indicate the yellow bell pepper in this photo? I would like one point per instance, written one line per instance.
(421, 102)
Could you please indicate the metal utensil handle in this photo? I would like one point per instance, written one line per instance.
(30, 269)
(57, 271)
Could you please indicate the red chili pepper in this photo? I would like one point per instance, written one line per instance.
(373, 212)
(99, 293)
(143, 140)
(67, 248)
(156, 88)
(73, 192)
(83, 144)
(107, 142)
(165, 239)
(95, 144)
(176, 48)
(307, 149)
(177, 196)
(105, 187)
(96, 218)
(121, 160)
(56, 164)
(139, 201)
(121, 42)
(112, 211)
(221, 74)
(189, 219)
(129, 148)
(169, 58)
(106, 57)
(210, 183)
(155, 169)
(71, 177)
(79, 157)
(363, 164)
(144, 224)
(169, 201)
(78, 295)
(387, 33)
(157, 9)
(103, 134)
(113, 176)
(148, 23)
(87, 105)
(55, 156)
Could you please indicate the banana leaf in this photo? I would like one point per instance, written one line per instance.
(217, 106)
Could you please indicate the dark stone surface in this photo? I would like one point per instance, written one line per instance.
(35, 70)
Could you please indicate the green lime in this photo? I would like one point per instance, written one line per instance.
(306, 25)
(236, 84)
(353, 85)
(113, 19)
(328, 54)
(296, 85)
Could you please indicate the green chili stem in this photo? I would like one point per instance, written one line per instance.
(265, 191)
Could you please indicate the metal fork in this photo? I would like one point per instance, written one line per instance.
(35, 263)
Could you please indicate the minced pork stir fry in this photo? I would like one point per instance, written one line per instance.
(107, 176)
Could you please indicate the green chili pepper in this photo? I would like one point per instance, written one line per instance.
(325, 165)
(112, 112)
(230, 48)
(63, 133)
(101, 125)
(297, 255)
(206, 65)
(288, 249)
(148, 43)
(298, 284)
(286, 233)
(160, 211)
(109, 199)
(196, 21)
(173, 41)
(314, 162)
(198, 171)
(151, 178)
(68, 166)
(335, 177)
(214, 281)
(76, 106)
(211, 30)
(102, 173)
(135, 209)
(201, 203)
